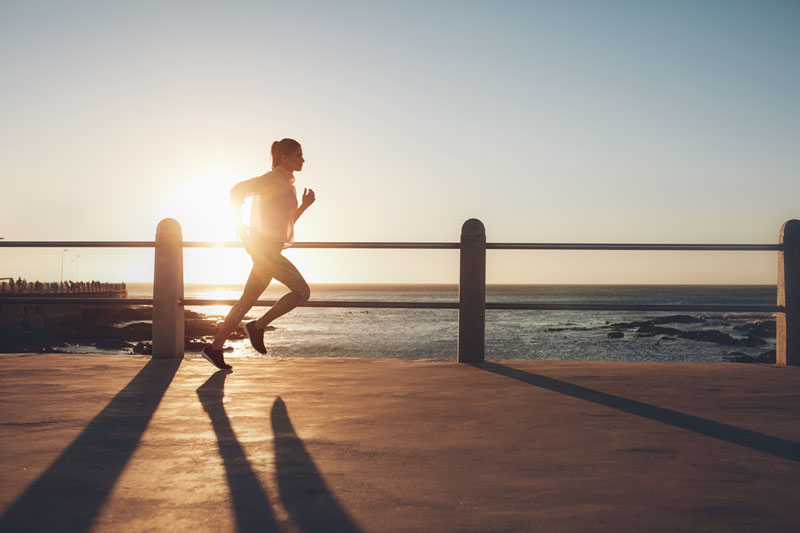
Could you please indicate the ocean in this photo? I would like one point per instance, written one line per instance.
(554, 335)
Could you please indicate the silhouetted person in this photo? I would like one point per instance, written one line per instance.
(273, 215)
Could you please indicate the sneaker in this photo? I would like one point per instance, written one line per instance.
(215, 358)
(256, 336)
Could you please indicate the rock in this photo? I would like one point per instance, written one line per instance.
(759, 328)
(657, 330)
(678, 319)
(553, 330)
(138, 331)
(194, 328)
(742, 316)
(670, 319)
(615, 335)
(721, 338)
(191, 346)
(112, 344)
(144, 348)
(767, 357)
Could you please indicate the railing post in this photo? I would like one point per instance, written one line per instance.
(472, 293)
(168, 291)
(788, 323)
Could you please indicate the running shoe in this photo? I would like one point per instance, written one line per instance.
(256, 336)
(215, 358)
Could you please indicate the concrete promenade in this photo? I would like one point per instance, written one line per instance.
(126, 443)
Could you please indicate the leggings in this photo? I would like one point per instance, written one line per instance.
(268, 263)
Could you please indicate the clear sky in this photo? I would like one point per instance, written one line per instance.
(560, 121)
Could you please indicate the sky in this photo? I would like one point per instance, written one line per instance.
(559, 121)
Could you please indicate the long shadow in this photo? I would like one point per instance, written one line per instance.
(251, 505)
(69, 494)
(303, 491)
(751, 439)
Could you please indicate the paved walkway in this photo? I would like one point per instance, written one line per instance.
(126, 443)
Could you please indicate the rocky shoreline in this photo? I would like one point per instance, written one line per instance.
(128, 329)
(752, 334)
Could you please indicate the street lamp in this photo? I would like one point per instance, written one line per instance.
(77, 277)
(62, 265)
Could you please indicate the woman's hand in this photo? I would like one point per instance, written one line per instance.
(308, 197)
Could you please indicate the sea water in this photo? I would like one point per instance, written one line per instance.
(510, 334)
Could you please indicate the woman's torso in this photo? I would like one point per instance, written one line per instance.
(274, 208)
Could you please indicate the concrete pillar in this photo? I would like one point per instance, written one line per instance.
(788, 323)
(472, 293)
(168, 291)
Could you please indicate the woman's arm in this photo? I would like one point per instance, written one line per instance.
(243, 189)
(308, 199)
(239, 192)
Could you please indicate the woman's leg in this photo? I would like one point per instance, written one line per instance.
(284, 271)
(256, 283)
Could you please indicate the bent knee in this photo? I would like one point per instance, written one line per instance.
(303, 293)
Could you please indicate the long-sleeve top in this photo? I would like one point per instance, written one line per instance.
(274, 206)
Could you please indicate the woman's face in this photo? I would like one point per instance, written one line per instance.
(293, 161)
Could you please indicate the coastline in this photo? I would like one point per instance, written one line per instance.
(541, 335)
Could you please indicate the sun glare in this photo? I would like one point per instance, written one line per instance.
(201, 206)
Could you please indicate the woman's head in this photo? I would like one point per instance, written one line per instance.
(288, 154)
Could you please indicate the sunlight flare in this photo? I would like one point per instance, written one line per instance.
(201, 206)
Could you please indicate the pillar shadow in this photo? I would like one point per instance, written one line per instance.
(251, 506)
(70, 493)
(777, 446)
(303, 491)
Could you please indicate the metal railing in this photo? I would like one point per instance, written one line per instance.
(367, 304)
(168, 299)
(413, 245)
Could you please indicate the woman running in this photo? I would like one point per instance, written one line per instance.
(273, 215)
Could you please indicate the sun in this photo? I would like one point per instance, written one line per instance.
(200, 204)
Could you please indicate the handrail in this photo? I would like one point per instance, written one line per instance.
(168, 301)
(639, 246)
(69, 300)
(543, 306)
(331, 244)
(77, 244)
(370, 304)
(737, 308)
(413, 245)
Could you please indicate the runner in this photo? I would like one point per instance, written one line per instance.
(274, 213)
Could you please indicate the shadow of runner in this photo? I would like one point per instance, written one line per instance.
(250, 502)
(69, 494)
(743, 437)
(303, 491)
